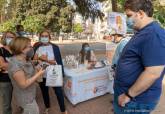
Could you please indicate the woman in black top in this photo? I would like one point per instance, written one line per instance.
(87, 53)
(49, 53)
(5, 84)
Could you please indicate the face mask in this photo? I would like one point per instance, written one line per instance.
(87, 48)
(22, 33)
(130, 23)
(44, 39)
(8, 40)
(30, 54)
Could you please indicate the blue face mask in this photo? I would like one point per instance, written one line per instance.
(8, 40)
(44, 39)
(22, 33)
(130, 23)
(87, 48)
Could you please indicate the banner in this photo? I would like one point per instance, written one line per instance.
(117, 23)
(54, 76)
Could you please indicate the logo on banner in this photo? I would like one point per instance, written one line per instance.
(99, 89)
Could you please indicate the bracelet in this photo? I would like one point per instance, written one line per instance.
(128, 95)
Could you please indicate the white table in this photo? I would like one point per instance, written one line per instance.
(82, 84)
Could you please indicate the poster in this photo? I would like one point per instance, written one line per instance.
(117, 23)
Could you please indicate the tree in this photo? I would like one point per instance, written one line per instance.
(22, 8)
(159, 13)
(89, 8)
(7, 9)
(77, 28)
(2, 2)
(114, 5)
(8, 26)
(56, 13)
(33, 24)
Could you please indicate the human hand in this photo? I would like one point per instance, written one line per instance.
(43, 57)
(123, 100)
(40, 72)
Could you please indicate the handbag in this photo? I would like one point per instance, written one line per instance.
(54, 76)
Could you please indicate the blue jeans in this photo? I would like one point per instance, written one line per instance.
(133, 108)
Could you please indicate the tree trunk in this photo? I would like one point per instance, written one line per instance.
(114, 5)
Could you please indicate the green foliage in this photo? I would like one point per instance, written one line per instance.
(159, 13)
(89, 8)
(8, 26)
(2, 2)
(160, 18)
(33, 24)
(65, 20)
(77, 28)
(120, 5)
(57, 14)
(54, 13)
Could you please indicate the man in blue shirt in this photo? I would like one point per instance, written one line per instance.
(140, 70)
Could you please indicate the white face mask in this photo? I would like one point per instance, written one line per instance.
(44, 39)
(8, 40)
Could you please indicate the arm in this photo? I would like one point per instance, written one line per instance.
(153, 62)
(146, 79)
(44, 58)
(93, 56)
(22, 81)
(52, 62)
(3, 64)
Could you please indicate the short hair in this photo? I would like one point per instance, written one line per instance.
(43, 32)
(3, 41)
(19, 44)
(18, 27)
(84, 45)
(136, 5)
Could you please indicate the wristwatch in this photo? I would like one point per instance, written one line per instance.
(128, 95)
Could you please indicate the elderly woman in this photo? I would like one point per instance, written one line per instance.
(23, 75)
(49, 54)
(5, 83)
